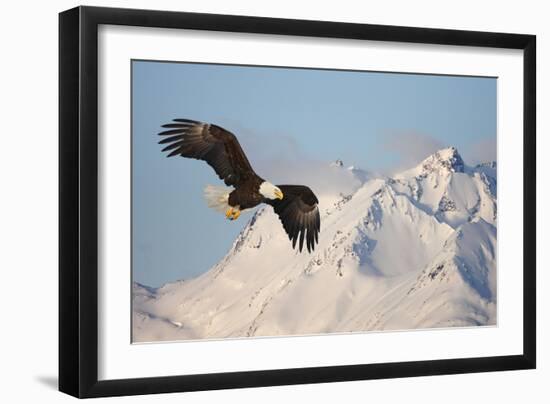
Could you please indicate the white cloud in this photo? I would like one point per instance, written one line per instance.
(318, 175)
(410, 148)
(483, 151)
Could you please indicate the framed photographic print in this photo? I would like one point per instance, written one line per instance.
(251, 201)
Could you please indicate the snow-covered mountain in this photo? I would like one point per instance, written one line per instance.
(417, 250)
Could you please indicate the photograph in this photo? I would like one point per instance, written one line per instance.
(273, 201)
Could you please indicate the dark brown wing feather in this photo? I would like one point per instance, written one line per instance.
(299, 214)
(210, 143)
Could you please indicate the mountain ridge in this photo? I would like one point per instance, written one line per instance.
(416, 250)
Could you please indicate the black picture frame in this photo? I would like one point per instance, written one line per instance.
(78, 201)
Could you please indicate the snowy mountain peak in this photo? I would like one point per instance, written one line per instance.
(358, 174)
(414, 251)
(446, 159)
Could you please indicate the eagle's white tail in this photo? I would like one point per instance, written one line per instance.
(217, 197)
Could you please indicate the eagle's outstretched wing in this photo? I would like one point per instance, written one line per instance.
(299, 214)
(211, 143)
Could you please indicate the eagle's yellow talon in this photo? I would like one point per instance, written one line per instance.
(229, 213)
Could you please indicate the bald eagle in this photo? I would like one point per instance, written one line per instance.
(296, 205)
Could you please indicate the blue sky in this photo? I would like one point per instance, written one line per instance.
(377, 121)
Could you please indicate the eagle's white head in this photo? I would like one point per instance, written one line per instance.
(270, 191)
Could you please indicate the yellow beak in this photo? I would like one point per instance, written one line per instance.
(279, 194)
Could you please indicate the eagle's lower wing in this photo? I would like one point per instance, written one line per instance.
(299, 214)
(211, 143)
